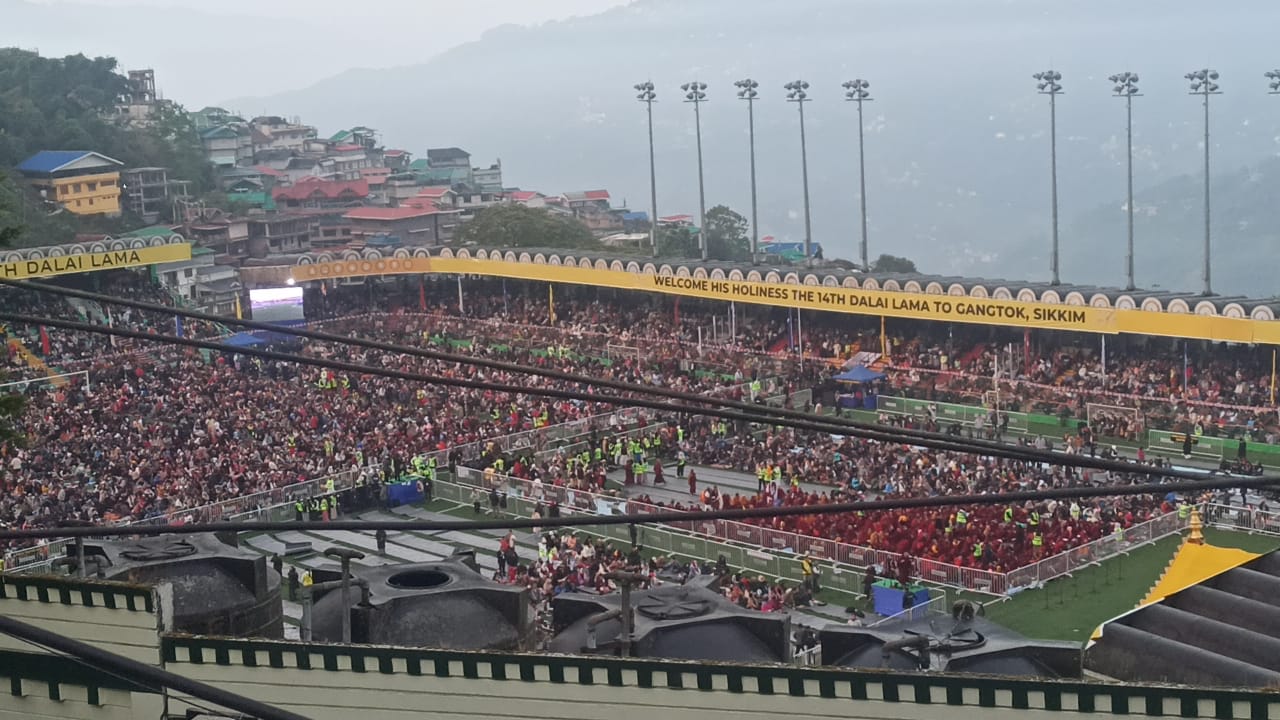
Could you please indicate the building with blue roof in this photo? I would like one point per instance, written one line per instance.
(81, 181)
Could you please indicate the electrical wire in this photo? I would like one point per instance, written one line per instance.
(139, 673)
(670, 516)
(947, 443)
(901, 433)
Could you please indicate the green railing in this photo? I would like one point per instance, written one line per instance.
(1165, 442)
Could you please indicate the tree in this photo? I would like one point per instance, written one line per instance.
(11, 404)
(893, 263)
(726, 234)
(521, 226)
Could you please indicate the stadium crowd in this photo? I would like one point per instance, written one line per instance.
(165, 430)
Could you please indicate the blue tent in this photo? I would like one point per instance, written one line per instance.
(244, 339)
(859, 374)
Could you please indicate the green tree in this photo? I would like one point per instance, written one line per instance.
(520, 226)
(893, 263)
(726, 233)
(676, 241)
(11, 404)
(727, 237)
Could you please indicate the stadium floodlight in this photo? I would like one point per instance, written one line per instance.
(747, 91)
(797, 92)
(695, 92)
(646, 95)
(1049, 83)
(1204, 82)
(859, 91)
(1126, 86)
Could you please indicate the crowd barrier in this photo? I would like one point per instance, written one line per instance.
(1204, 447)
(776, 553)
(1072, 392)
(1245, 519)
(275, 504)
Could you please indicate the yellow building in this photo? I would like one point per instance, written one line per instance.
(81, 181)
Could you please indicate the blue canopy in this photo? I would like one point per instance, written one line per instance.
(244, 339)
(859, 374)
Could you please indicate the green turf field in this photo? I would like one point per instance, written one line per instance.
(1071, 608)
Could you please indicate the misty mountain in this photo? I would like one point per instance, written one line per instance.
(1169, 232)
(957, 138)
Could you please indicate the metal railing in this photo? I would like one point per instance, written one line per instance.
(1242, 518)
(758, 549)
(247, 507)
(1092, 553)
(935, 606)
(776, 552)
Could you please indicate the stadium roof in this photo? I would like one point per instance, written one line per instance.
(1224, 631)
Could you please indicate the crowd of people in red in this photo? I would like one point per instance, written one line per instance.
(165, 430)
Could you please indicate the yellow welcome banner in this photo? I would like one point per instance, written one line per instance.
(943, 308)
(940, 308)
(91, 262)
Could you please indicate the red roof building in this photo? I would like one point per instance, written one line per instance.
(317, 192)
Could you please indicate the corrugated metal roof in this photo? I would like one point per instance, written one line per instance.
(50, 161)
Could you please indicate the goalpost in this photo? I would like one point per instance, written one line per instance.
(1099, 412)
(45, 383)
(622, 351)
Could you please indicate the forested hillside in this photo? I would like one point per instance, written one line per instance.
(67, 104)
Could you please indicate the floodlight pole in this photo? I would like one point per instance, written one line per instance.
(748, 93)
(648, 97)
(694, 94)
(856, 91)
(798, 95)
(1048, 85)
(1126, 86)
(1204, 82)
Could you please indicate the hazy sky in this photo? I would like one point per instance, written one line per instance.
(205, 52)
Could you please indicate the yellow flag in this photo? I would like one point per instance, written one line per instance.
(239, 312)
(551, 304)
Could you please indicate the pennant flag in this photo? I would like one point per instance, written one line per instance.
(551, 304)
(422, 294)
(44, 341)
(177, 326)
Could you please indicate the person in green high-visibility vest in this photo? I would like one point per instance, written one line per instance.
(977, 550)
(1008, 514)
(962, 517)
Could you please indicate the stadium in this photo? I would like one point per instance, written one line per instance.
(415, 477)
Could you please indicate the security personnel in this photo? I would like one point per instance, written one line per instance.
(1034, 519)
(680, 461)
(307, 580)
(1184, 511)
(1008, 514)
(806, 570)
(1075, 511)
(1037, 541)
(298, 509)
(761, 478)
(679, 433)
(962, 517)
(329, 486)
(977, 550)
